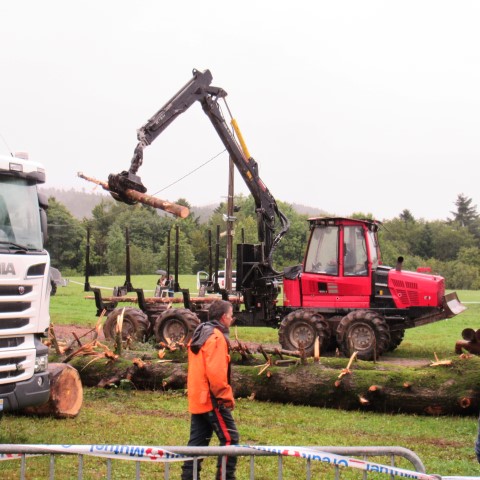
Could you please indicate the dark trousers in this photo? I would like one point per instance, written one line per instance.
(220, 421)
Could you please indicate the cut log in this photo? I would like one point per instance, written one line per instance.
(440, 390)
(196, 300)
(66, 393)
(178, 210)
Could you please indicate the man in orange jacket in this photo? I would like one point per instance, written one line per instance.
(210, 395)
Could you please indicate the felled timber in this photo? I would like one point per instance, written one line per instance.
(197, 300)
(470, 342)
(173, 208)
(66, 393)
(450, 388)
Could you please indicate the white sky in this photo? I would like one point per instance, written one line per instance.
(348, 106)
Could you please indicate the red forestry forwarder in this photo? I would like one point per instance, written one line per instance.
(341, 293)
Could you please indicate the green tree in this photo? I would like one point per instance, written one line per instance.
(407, 216)
(395, 240)
(466, 213)
(291, 249)
(461, 276)
(66, 238)
(423, 246)
(200, 249)
(469, 256)
(115, 250)
(103, 217)
(185, 258)
(448, 239)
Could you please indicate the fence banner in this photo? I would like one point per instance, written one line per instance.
(119, 452)
(341, 461)
(161, 454)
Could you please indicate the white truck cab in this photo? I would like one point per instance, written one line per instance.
(24, 285)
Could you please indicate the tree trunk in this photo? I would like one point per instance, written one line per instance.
(66, 393)
(451, 388)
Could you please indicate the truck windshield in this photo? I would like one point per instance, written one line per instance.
(19, 215)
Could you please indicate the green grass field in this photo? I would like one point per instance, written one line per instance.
(445, 444)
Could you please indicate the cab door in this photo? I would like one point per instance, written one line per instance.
(336, 267)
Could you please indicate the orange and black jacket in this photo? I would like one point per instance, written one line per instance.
(209, 369)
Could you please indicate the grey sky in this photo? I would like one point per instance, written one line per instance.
(348, 106)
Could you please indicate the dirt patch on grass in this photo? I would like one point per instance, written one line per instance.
(69, 333)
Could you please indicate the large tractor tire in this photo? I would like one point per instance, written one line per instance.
(175, 325)
(396, 338)
(364, 332)
(299, 330)
(135, 324)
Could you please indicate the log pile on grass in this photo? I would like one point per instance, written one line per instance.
(440, 387)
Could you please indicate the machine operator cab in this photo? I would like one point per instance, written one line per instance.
(340, 257)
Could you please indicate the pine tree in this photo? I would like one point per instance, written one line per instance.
(466, 213)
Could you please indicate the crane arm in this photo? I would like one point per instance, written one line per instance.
(199, 89)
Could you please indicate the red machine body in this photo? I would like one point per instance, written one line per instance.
(339, 271)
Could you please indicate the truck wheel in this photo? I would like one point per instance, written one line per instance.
(396, 338)
(176, 325)
(364, 332)
(135, 324)
(299, 330)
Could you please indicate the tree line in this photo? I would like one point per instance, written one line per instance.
(450, 247)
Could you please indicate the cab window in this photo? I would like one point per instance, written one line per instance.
(322, 255)
(355, 259)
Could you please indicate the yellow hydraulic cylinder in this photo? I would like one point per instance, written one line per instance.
(240, 138)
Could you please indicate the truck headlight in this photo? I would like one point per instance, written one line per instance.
(41, 363)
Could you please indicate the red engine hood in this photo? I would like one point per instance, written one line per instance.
(412, 289)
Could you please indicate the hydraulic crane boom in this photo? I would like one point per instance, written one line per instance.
(199, 89)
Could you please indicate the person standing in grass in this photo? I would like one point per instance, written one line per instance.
(210, 395)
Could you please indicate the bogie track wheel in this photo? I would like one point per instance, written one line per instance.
(364, 332)
(175, 325)
(300, 328)
(135, 324)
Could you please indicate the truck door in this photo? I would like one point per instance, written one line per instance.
(336, 268)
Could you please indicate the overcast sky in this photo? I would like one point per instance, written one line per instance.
(347, 106)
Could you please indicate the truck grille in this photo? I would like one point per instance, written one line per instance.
(14, 290)
(11, 368)
(9, 307)
(17, 363)
(11, 342)
(7, 323)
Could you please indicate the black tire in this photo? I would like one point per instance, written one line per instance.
(364, 332)
(175, 325)
(53, 291)
(396, 338)
(135, 324)
(299, 330)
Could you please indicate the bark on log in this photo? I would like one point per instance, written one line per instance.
(66, 393)
(178, 210)
(451, 390)
(199, 300)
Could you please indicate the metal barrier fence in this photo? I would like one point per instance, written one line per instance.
(337, 459)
